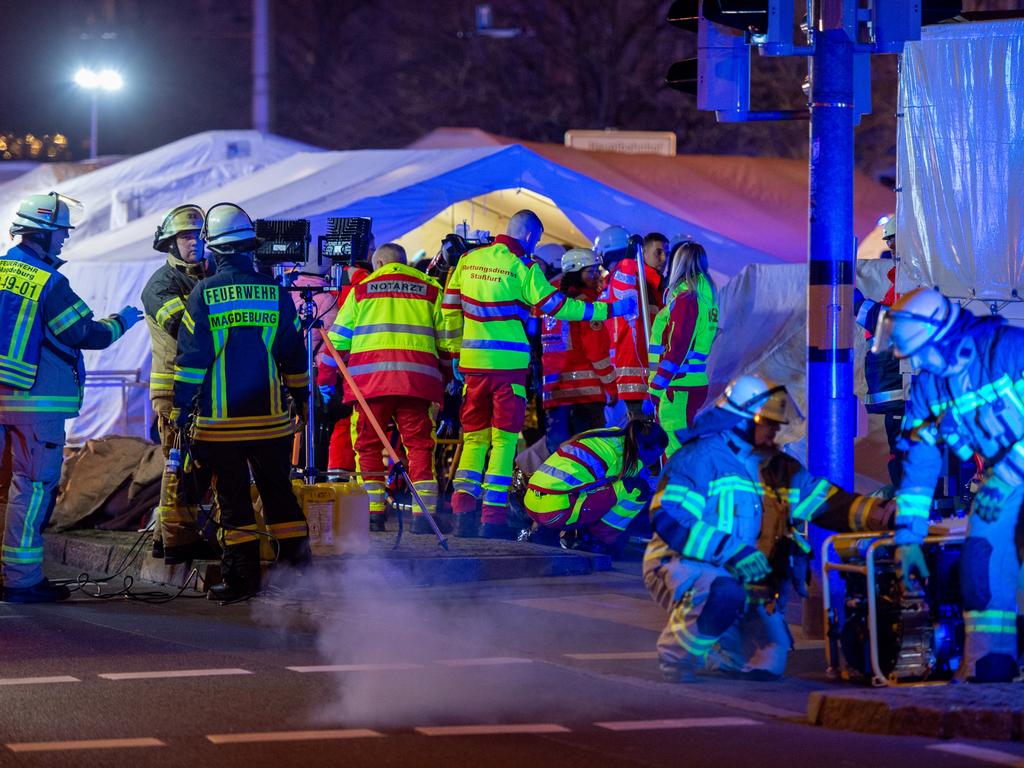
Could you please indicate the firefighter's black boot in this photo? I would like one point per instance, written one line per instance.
(240, 570)
(295, 553)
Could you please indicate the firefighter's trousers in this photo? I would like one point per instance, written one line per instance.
(37, 453)
(269, 461)
(180, 493)
(715, 622)
(412, 417)
(677, 409)
(989, 571)
(493, 411)
(605, 512)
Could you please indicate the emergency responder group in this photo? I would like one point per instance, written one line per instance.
(621, 393)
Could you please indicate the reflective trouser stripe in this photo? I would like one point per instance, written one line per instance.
(427, 490)
(470, 474)
(294, 530)
(245, 533)
(498, 476)
(376, 493)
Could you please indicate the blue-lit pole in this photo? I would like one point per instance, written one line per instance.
(831, 405)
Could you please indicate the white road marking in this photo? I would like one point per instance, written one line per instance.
(686, 722)
(607, 656)
(983, 754)
(484, 662)
(355, 667)
(254, 738)
(38, 680)
(156, 675)
(491, 730)
(57, 746)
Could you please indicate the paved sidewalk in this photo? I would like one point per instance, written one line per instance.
(939, 711)
(419, 560)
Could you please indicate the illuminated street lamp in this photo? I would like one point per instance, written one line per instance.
(94, 82)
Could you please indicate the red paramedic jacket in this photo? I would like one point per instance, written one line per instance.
(577, 367)
(629, 355)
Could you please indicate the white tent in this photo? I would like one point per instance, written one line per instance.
(152, 182)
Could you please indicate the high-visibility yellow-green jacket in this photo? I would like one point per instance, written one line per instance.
(487, 302)
(390, 324)
(589, 461)
(681, 338)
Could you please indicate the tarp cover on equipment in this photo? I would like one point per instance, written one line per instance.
(960, 217)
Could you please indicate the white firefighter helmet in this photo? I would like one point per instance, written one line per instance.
(758, 399)
(184, 218)
(610, 240)
(227, 227)
(889, 228)
(579, 259)
(923, 316)
(46, 213)
(550, 255)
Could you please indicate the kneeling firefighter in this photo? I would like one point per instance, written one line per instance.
(730, 519)
(597, 482)
(239, 339)
(969, 394)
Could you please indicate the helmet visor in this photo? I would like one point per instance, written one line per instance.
(777, 405)
(75, 210)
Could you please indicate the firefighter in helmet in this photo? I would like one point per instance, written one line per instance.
(44, 326)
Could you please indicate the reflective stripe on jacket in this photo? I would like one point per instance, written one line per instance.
(239, 339)
(576, 363)
(43, 325)
(163, 301)
(629, 355)
(390, 325)
(716, 495)
(487, 302)
(682, 336)
(979, 411)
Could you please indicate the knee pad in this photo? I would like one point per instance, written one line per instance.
(974, 562)
(725, 601)
(995, 668)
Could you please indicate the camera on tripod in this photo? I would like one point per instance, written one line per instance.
(454, 246)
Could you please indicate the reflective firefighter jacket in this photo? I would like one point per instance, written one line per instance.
(487, 303)
(590, 461)
(390, 325)
(717, 494)
(979, 411)
(882, 373)
(629, 347)
(239, 339)
(681, 338)
(577, 368)
(43, 325)
(163, 300)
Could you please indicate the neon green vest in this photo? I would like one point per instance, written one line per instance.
(693, 371)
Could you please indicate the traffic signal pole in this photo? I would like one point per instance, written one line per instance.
(831, 404)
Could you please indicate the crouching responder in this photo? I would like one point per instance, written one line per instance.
(389, 326)
(43, 327)
(597, 482)
(681, 340)
(969, 394)
(729, 519)
(578, 376)
(175, 538)
(486, 303)
(239, 338)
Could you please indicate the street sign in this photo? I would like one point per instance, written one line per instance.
(624, 142)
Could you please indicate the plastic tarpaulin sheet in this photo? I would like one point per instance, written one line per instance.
(961, 161)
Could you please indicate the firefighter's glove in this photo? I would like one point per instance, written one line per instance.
(882, 515)
(910, 561)
(326, 391)
(301, 411)
(626, 307)
(181, 418)
(749, 564)
(129, 316)
(456, 373)
(991, 498)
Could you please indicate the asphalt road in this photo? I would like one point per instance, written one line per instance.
(547, 672)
